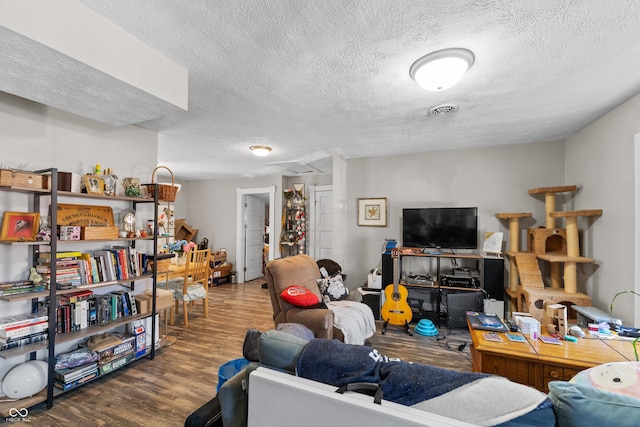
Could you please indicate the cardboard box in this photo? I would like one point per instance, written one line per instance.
(164, 298)
(184, 231)
(143, 303)
(141, 340)
(555, 319)
(117, 363)
(111, 346)
(23, 179)
(222, 271)
(528, 325)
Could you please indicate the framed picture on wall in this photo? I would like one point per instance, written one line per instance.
(372, 212)
(20, 226)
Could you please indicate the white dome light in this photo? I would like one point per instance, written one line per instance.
(441, 69)
(260, 150)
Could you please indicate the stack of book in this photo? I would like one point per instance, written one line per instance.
(21, 330)
(67, 378)
(67, 268)
(21, 287)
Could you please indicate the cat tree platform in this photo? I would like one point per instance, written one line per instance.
(532, 296)
(550, 200)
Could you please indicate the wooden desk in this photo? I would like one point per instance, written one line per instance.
(535, 363)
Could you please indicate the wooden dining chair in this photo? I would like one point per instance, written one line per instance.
(193, 286)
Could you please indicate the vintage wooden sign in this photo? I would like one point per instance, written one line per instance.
(85, 215)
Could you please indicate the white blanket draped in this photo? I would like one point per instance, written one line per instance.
(354, 319)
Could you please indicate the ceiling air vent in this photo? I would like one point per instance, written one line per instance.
(295, 166)
(443, 109)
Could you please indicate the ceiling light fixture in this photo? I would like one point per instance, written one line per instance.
(441, 69)
(260, 150)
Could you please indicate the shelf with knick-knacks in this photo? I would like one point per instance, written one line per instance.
(67, 276)
(293, 237)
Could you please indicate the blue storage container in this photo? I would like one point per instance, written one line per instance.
(229, 369)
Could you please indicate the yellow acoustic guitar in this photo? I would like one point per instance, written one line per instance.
(396, 309)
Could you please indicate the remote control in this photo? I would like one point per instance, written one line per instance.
(513, 327)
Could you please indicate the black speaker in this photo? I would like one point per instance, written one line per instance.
(493, 277)
(372, 299)
(457, 306)
(387, 269)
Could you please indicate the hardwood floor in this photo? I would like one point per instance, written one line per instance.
(183, 376)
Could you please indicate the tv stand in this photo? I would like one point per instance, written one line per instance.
(437, 284)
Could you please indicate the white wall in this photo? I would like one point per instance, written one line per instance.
(494, 179)
(600, 159)
(211, 206)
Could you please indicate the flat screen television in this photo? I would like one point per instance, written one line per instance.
(447, 228)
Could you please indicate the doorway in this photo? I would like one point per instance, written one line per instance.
(321, 213)
(255, 226)
(255, 235)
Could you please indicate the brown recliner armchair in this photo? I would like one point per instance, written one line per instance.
(300, 270)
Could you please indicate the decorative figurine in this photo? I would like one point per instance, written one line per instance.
(35, 277)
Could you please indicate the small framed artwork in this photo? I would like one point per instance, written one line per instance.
(94, 184)
(20, 226)
(372, 212)
(298, 194)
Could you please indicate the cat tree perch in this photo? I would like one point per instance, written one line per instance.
(557, 246)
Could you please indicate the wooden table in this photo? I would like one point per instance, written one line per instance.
(535, 363)
(175, 270)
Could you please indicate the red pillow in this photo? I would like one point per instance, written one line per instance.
(299, 296)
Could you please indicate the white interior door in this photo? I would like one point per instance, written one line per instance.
(322, 220)
(254, 236)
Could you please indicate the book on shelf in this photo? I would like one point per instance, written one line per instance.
(7, 344)
(68, 254)
(105, 265)
(71, 384)
(124, 297)
(66, 375)
(22, 319)
(20, 287)
(74, 296)
(23, 290)
(92, 312)
(132, 302)
(22, 330)
(123, 262)
(16, 284)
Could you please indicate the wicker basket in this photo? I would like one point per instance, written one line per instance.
(166, 192)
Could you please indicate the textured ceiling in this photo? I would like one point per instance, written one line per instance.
(314, 79)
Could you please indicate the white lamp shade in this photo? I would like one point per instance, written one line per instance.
(25, 379)
(442, 69)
